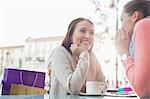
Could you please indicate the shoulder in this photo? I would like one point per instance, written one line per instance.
(60, 49)
(60, 52)
(142, 28)
(143, 23)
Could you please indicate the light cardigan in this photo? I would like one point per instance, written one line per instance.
(70, 73)
(138, 69)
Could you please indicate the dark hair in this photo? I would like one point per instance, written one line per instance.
(142, 6)
(68, 38)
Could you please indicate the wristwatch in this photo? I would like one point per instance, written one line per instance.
(124, 57)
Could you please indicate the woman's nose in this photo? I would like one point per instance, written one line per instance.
(87, 35)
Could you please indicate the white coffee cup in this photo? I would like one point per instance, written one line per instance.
(93, 87)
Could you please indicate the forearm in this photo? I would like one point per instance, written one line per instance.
(72, 80)
(130, 69)
(137, 75)
(78, 77)
(100, 75)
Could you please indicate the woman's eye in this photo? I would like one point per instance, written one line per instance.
(121, 20)
(83, 31)
(91, 33)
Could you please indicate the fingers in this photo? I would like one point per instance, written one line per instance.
(77, 49)
(73, 47)
(126, 34)
(122, 41)
(117, 36)
(121, 35)
(83, 46)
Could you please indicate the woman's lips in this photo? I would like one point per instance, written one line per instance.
(85, 42)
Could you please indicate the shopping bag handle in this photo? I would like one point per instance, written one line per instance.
(21, 79)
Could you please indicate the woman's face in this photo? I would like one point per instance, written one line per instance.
(83, 34)
(127, 22)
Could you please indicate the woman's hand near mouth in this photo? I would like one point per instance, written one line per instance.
(77, 49)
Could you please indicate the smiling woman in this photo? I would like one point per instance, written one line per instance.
(73, 63)
(82, 34)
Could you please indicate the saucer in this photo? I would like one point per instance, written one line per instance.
(86, 94)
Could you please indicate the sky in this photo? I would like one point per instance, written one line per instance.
(20, 19)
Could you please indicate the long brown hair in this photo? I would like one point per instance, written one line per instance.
(68, 38)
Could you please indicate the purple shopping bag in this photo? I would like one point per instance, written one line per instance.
(25, 77)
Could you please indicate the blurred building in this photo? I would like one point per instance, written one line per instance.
(32, 55)
(11, 56)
